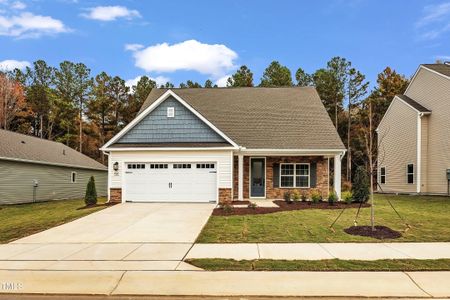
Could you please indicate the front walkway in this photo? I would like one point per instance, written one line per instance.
(316, 251)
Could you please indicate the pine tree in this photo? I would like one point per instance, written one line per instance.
(360, 187)
(91, 193)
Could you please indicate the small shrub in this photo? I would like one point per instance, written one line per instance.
(90, 197)
(361, 184)
(227, 208)
(332, 198)
(296, 195)
(346, 186)
(347, 196)
(252, 205)
(287, 197)
(315, 196)
(304, 196)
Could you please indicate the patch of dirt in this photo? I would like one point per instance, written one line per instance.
(282, 206)
(380, 233)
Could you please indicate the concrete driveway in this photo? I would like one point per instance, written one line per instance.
(130, 236)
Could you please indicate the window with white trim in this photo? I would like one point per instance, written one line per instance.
(410, 173)
(383, 175)
(294, 175)
(171, 112)
(73, 177)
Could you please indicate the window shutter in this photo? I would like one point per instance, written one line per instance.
(313, 172)
(276, 175)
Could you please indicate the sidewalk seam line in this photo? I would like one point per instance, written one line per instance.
(416, 284)
(326, 250)
(131, 252)
(182, 259)
(117, 284)
(398, 251)
(259, 253)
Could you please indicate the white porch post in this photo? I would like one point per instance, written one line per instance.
(240, 177)
(337, 175)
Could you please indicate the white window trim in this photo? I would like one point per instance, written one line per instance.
(385, 175)
(71, 177)
(295, 176)
(171, 112)
(413, 173)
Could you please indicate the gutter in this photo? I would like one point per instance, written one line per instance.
(51, 164)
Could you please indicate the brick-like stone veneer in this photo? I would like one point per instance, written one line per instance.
(115, 195)
(225, 195)
(277, 193)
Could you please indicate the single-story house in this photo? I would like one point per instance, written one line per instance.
(414, 136)
(34, 169)
(220, 144)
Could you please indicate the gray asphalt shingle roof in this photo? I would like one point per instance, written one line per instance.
(263, 118)
(443, 69)
(414, 104)
(16, 146)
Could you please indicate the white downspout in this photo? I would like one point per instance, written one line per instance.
(419, 153)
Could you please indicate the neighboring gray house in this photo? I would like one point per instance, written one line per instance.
(414, 136)
(34, 169)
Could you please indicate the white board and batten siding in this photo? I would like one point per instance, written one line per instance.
(198, 186)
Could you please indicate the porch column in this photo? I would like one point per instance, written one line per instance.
(337, 175)
(240, 177)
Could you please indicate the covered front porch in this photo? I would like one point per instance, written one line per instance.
(268, 175)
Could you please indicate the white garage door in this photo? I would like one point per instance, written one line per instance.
(170, 182)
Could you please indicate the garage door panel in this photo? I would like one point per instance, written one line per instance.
(171, 182)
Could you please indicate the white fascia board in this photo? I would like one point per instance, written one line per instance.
(51, 164)
(168, 148)
(299, 152)
(155, 104)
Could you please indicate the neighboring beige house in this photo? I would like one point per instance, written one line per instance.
(34, 169)
(414, 136)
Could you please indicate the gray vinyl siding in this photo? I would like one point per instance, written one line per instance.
(16, 182)
(185, 127)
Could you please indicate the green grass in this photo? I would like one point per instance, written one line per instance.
(21, 220)
(428, 217)
(217, 264)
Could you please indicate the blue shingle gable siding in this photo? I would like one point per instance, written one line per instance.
(185, 127)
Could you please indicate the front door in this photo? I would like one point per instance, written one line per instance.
(257, 177)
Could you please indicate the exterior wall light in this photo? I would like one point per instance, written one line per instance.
(116, 166)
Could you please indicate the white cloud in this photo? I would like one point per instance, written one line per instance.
(27, 25)
(159, 80)
(110, 13)
(11, 64)
(442, 57)
(133, 47)
(191, 55)
(434, 22)
(434, 13)
(18, 5)
(222, 82)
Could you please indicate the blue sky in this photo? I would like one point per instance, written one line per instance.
(181, 40)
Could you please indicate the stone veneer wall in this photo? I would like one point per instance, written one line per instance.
(277, 193)
(115, 195)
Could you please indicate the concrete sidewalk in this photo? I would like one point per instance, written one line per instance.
(343, 284)
(317, 251)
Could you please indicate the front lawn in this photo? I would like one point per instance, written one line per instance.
(217, 264)
(21, 220)
(428, 217)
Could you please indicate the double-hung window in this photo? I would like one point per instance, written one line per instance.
(294, 175)
(383, 175)
(410, 173)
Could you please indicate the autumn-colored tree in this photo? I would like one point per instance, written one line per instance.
(12, 100)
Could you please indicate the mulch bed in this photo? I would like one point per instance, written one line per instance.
(380, 233)
(321, 205)
(282, 206)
